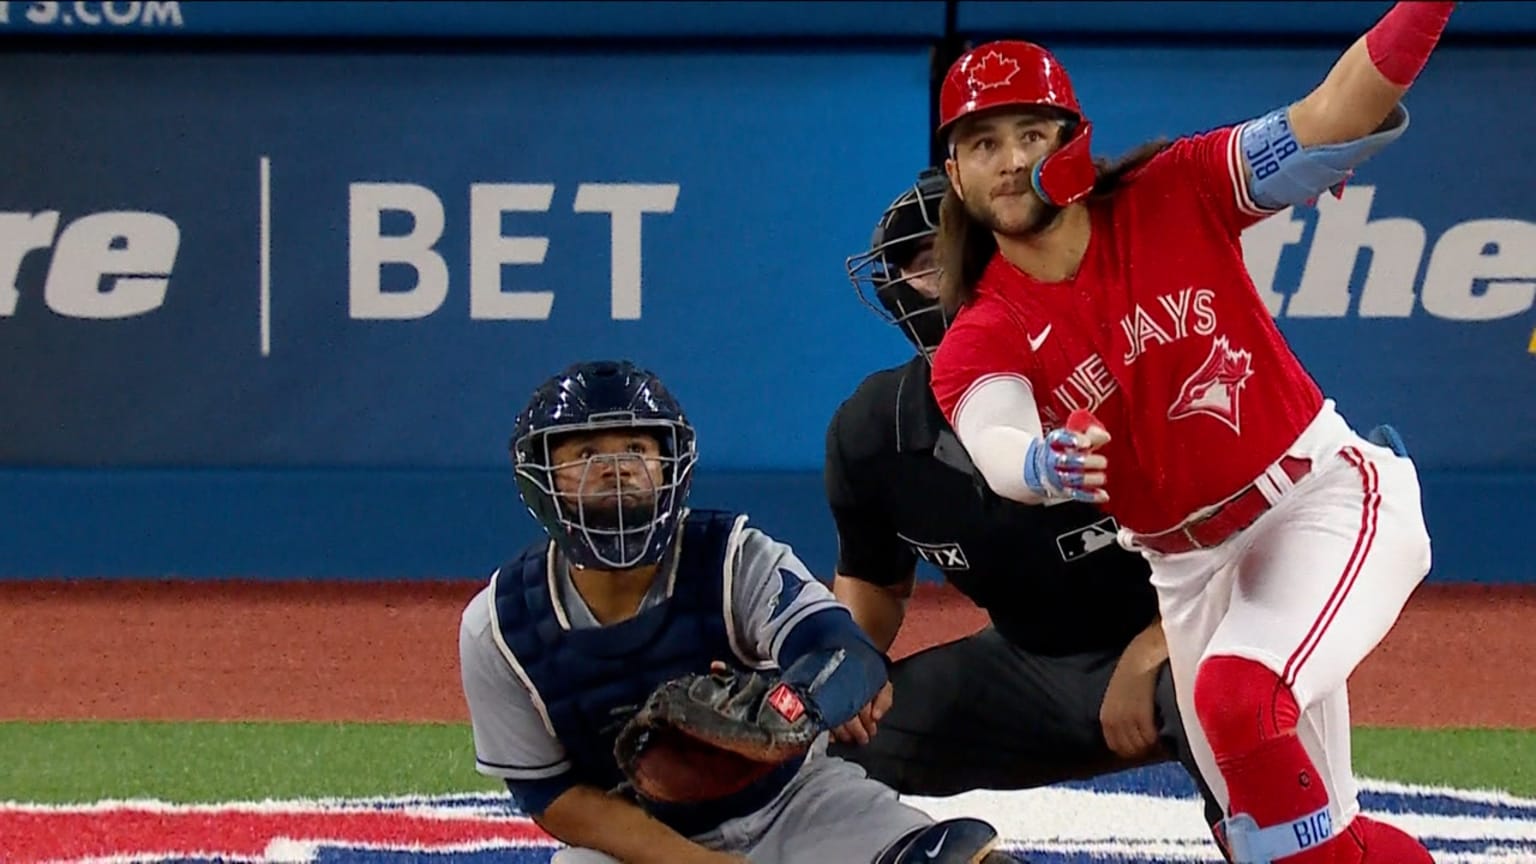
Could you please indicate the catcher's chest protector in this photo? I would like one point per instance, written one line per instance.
(593, 679)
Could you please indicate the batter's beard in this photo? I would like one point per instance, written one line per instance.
(1041, 216)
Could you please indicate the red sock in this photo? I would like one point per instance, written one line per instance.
(1385, 844)
(1249, 717)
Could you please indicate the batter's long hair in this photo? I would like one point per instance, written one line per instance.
(964, 247)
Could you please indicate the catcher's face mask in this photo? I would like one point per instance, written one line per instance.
(612, 490)
(898, 277)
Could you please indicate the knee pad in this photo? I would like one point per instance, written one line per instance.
(953, 841)
(1240, 704)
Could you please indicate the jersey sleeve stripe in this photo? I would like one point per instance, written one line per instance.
(728, 593)
(979, 383)
(800, 614)
(519, 772)
(1239, 176)
(555, 599)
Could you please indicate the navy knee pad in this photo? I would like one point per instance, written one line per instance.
(953, 841)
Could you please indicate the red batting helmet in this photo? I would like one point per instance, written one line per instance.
(1021, 74)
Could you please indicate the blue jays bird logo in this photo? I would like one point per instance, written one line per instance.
(1215, 389)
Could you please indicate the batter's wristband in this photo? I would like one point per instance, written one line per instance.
(1401, 42)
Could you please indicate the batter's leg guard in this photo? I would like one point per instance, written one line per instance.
(1279, 806)
(1219, 834)
(1247, 843)
(953, 841)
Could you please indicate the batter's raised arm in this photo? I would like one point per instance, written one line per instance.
(1367, 82)
(1294, 154)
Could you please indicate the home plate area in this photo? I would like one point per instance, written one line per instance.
(1149, 816)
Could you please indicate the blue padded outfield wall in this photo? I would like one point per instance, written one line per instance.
(276, 277)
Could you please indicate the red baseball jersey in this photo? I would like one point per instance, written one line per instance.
(1161, 334)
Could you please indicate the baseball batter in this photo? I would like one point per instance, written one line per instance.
(1070, 679)
(1109, 345)
(632, 590)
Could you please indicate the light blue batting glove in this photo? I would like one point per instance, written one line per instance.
(1062, 465)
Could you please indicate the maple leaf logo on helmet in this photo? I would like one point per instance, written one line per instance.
(992, 70)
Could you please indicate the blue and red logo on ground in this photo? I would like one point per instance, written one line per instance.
(1149, 816)
(460, 828)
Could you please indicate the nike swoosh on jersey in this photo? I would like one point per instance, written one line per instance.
(1036, 341)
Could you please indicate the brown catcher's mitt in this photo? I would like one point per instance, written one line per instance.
(702, 737)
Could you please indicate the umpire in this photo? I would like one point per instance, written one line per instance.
(1071, 679)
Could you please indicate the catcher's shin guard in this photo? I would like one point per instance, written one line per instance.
(953, 841)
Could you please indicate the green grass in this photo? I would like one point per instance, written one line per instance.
(72, 762)
(67, 762)
(1503, 759)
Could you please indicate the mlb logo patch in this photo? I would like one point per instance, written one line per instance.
(1085, 541)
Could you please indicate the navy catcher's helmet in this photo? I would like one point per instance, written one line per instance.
(904, 231)
(634, 520)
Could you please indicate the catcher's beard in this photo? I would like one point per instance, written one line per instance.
(612, 513)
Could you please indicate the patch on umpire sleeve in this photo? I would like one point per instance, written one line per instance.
(945, 556)
(1084, 541)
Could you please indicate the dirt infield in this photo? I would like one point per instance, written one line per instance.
(388, 652)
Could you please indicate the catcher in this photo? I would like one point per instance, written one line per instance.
(655, 684)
